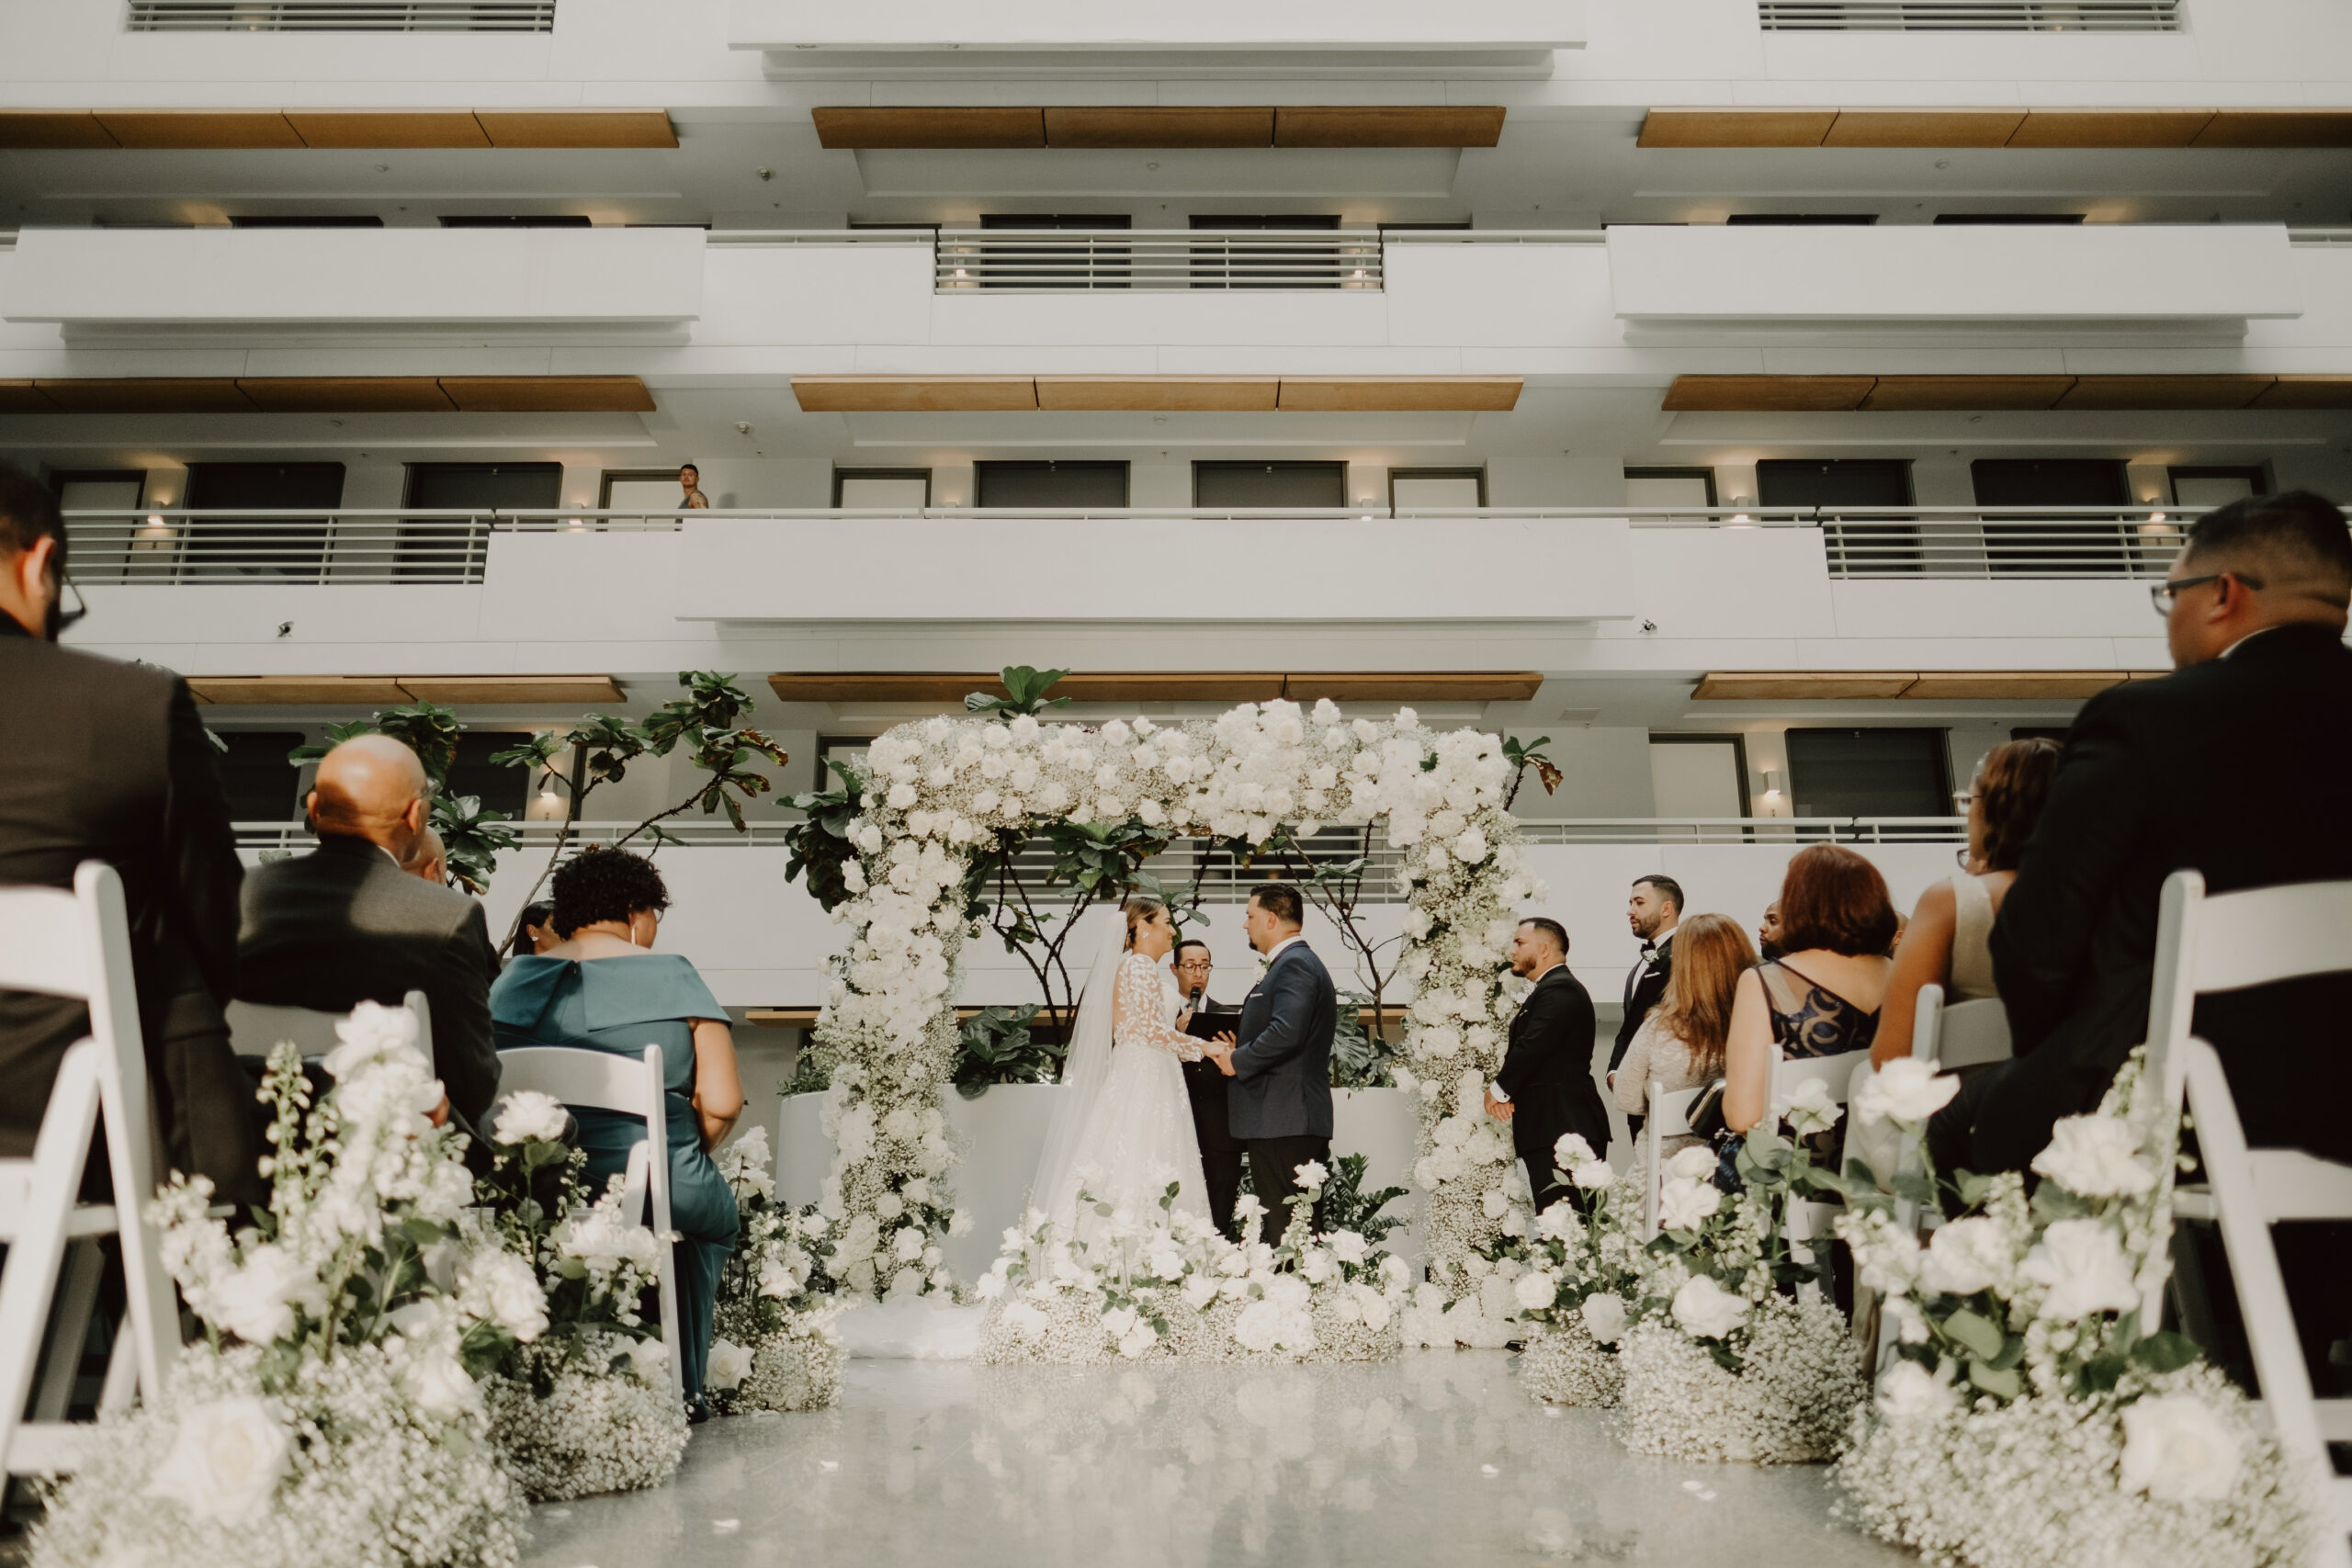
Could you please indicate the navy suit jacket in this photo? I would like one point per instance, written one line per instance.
(1282, 1059)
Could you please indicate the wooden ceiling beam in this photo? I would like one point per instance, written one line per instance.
(1768, 394)
(1735, 126)
(459, 690)
(928, 128)
(1160, 126)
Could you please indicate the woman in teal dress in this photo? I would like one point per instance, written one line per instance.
(601, 988)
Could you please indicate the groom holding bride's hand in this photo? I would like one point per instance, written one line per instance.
(1279, 1101)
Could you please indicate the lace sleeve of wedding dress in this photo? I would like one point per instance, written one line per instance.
(1136, 1020)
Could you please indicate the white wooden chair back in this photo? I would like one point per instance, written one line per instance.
(2255, 1189)
(255, 1028)
(1806, 1219)
(1669, 1117)
(1969, 1034)
(600, 1080)
(77, 944)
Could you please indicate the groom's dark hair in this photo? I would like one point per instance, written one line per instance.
(1281, 900)
(1551, 928)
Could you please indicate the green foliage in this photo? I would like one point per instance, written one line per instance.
(1523, 756)
(1357, 1059)
(811, 1073)
(426, 728)
(471, 839)
(998, 1045)
(1348, 1207)
(708, 721)
(1025, 692)
(819, 842)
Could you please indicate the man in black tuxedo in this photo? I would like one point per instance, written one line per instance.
(344, 924)
(1279, 1099)
(1205, 1084)
(103, 761)
(1653, 909)
(1545, 1088)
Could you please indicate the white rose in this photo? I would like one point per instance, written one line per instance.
(1906, 1090)
(990, 1286)
(256, 1303)
(1910, 1389)
(526, 1114)
(225, 1462)
(1026, 1321)
(1348, 1246)
(889, 1206)
(1118, 1320)
(1494, 1203)
(1696, 1163)
(728, 1364)
(1684, 1204)
(2094, 1156)
(1560, 1223)
(1705, 1310)
(499, 1288)
(1535, 1291)
(1199, 1290)
(1592, 1175)
(1965, 1257)
(441, 1386)
(2081, 1263)
(1604, 1317)
(2178, 1449)
(1311, 1174)
(1138, 1340)
(647, 1360)
(1472, 846)
(1571, 1151)
(907, 1246)
(901, 795)
(1812, 1109)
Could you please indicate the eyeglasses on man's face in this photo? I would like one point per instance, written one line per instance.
(2162, 595)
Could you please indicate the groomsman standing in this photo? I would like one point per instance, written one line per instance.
(1654, 908)
(1545, 1088)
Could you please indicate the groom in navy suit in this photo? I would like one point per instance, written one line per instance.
(1279, 1101)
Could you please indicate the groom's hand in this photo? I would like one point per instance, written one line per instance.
(1221, 1053)
(1499, 1110)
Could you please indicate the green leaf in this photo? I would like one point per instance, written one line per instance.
(2165, 1351)
(2103, 1371)
(1978, 1335)
(2000, 1383)
(1915, 1186)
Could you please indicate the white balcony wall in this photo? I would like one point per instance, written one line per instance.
(1924, 272)
(1131, 25)
(509, 277)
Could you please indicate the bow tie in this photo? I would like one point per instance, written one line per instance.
(1649, 953)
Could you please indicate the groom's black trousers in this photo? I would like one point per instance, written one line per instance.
(1273, 1165)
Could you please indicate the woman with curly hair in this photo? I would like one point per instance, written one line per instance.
(601, 988)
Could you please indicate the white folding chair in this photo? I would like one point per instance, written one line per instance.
(256, 1028)
(1669, 1117)
(2254, 1190)
(1807, 1219)
(77, 944)
(598, 1080)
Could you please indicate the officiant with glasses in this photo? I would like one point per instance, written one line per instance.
(1204, 1083)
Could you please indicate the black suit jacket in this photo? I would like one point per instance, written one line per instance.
(1642, 992)
(1547, 1067)
(343, 925)
(104, 760)
(1280, 1085)
(2240, 767)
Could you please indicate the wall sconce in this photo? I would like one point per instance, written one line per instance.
(1773, 790)
(1740, 519)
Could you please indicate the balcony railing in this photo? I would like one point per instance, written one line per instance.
(1091, 260)
(169, 547)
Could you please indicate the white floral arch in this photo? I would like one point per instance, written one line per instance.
(941, 787)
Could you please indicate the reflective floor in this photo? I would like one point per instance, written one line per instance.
(1437, 1459)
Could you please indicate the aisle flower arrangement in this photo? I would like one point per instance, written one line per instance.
(776, 1345)
(938, 790)
(2027, 1418)
(1732, 1354)
(331, 1411)
(587, 1404)
(1168, 1286)
(1575, 1278)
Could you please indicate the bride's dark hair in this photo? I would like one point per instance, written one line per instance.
(1139, 909)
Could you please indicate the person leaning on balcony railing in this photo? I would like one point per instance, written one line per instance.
(105, 761)
(690, 482)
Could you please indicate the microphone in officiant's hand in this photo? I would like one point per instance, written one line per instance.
(1195, 1003)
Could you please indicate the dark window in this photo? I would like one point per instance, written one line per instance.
(306, 221)
(256, 777)
(540, 221)
(446, 549)
(1998, 218)
(1045, 221)
(880, 487)
(1309, 264)
(1437, 489)
(1422, 228)
(1801, 219)
(1223, 487)
(499, 789)
(1846, 490)
(1870, 773)
(1068, 263)
(1682, 477)
(1049, 485)
(2055, 547)
(2217, 487)
(258, 547)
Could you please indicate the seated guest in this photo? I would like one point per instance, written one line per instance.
(1820, 996)
(427, 861)
(536, 932)
(1948, 944)
(104, 760)
(601, 988)
(1680, 1046)
(1545, 1088)
(1768, 931)
(344, 924)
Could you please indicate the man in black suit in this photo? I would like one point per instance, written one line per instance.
(102, 760)
(1653, 909)
(1279, 1099)
(1205, 1084)
(344, 924)
(1545, 1088)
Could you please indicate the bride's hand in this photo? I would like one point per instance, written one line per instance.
(1183, 1019)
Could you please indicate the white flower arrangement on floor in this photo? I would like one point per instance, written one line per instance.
(331, 1412)
(1169, 1286)
(777, 1346)
(2028, 1419)
(1573, 1280)
(938, 790)
(1723, 1363)
(587, 1405)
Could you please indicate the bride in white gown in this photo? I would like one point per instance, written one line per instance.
(1124, 1130)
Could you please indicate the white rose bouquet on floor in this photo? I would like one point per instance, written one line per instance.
(1576, 1277)
(588, 1404)
(330, 1413)
(1169, 1286)
(1733, 1354)
(777, 1347)
(2027, 1418)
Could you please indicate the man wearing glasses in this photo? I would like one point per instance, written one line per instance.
(1204, 1085)
(105, 761)
(2238, 764)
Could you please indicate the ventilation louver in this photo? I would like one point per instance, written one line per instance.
(342, 16)
(1970, 15)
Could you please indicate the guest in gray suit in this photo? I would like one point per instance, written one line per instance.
(1279, 1103)
(344, 924)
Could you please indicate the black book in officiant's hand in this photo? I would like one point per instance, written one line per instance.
(1210, 1023)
